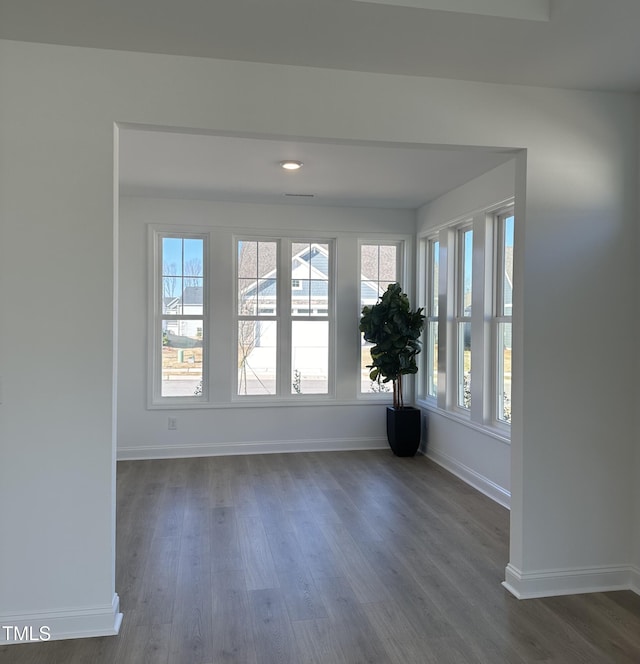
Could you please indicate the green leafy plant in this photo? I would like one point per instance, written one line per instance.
(395, 331)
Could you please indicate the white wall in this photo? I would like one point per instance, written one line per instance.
(57, 467)
(481, 459)
(573, 431)
(227, 428)
(636, 481)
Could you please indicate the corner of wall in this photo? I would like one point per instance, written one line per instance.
(78, 623)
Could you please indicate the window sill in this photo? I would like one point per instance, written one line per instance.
(268, 403)
(496, 432)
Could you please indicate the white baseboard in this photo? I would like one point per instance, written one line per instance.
(64, 624)
(635, 580)
(549, 583)
(472, 477)
(250, 447)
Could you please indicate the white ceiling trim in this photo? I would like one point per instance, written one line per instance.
(528, 10)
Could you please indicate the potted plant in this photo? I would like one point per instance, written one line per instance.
(395, 331)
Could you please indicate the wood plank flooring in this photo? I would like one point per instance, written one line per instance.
(327, 558)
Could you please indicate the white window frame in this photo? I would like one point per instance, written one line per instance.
(402, 277)
(273, 316)
(484, 319)
(156, 317)
(461, 318)
(220, 323)
(499, 314)
(432, 318)
(284, 318)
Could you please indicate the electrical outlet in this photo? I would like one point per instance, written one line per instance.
(173, 424)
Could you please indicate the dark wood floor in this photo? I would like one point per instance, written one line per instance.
(327, 558)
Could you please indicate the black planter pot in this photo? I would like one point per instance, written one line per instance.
(403, 430)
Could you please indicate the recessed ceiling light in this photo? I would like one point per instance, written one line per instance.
(291, 164)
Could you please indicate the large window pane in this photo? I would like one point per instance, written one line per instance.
(464, 291)
(257, 277)
(434, 262)
(309, 278)
(257, 286)
(182, 273)
(431, 336)
(507, 267)
(467, 273)
(260, 358)
(379, 267)
(182, 358)
(432, 358)
(257, 339)
(503, 313)
(309, 357)
(181, 323)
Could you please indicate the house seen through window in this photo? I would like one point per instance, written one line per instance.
(283, 332)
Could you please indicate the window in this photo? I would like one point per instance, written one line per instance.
(283, 334)
(180, 317)
(379, 266)
(464, 304)
(432, 319)
(468, 299)
(310, 268)
(257, 288)
(238, 317)
(502, 313)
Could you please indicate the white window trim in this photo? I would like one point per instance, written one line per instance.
(284, 319)
(497, 309)
(403, 278)
(154, 344)
(460, 318)
(428, 295)
(483, 413)
(219, 273)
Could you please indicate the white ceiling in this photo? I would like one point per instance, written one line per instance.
(187, 165)
(589, 44)
(586, 44)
